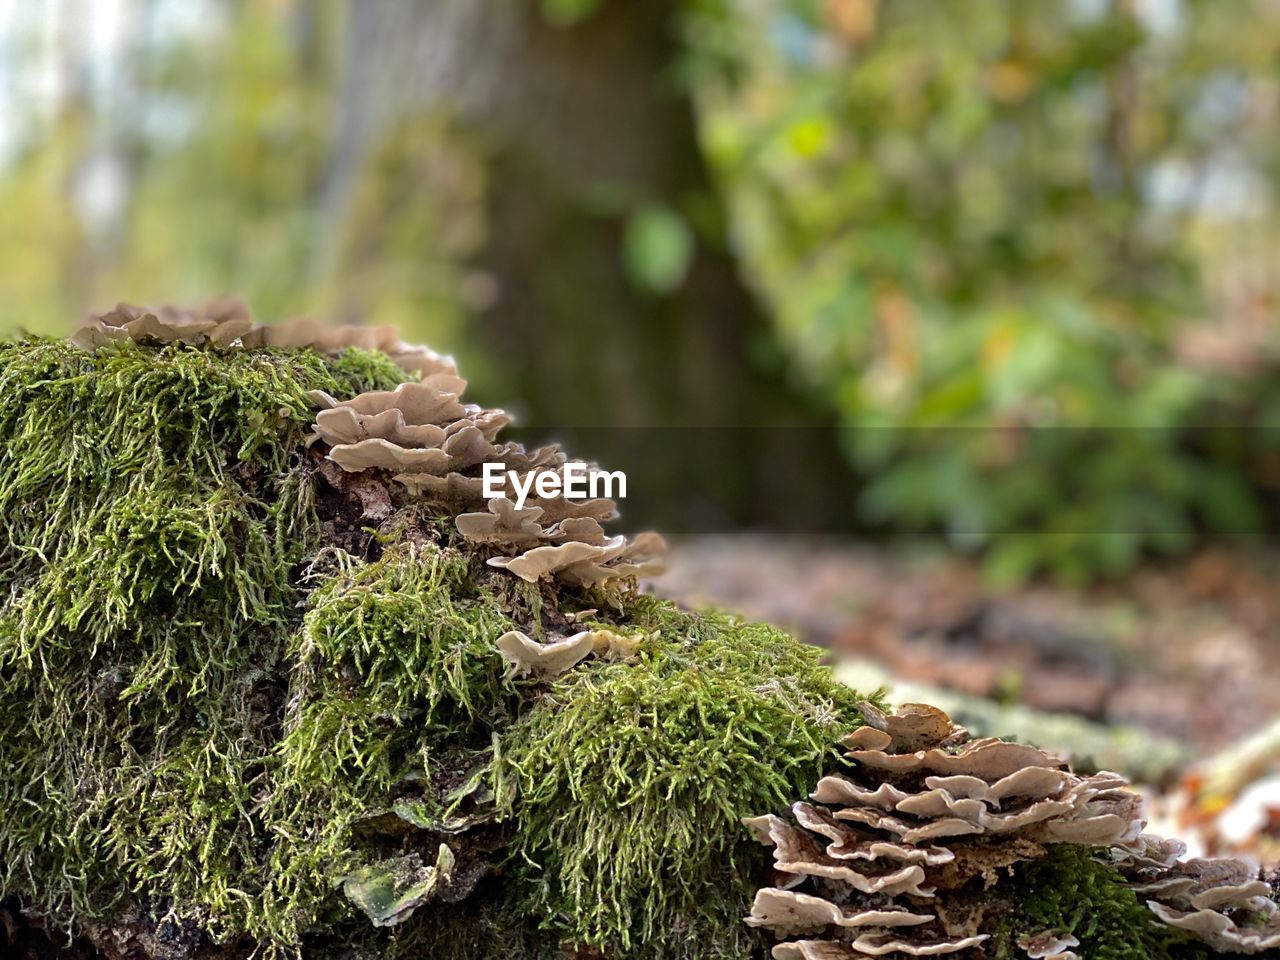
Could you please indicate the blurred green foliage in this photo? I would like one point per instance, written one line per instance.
(989, 229)
(205, 168)
(984, 230)
(198, 179)
(566, 13)
(657, 247)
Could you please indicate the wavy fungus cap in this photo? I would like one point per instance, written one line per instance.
(218, 323)
(435, 446)
(871, 865)
(1223, 902)
(865, 869)
(225, 323)
(524, 655)
(1049, 946)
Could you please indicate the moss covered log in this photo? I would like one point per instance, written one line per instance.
(279, 683)
(224, 692)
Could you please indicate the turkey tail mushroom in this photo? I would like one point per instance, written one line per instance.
(305, 332)
(525, 656)
(924, 811)
(218, 323)
(435, 446)
(1223, 902)
(1049, 946)
(873, 864)
(226, 323)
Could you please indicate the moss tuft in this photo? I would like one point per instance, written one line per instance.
(1071, 892)
(396, 688)
(632, 779)
(154, 512)
(402, 647)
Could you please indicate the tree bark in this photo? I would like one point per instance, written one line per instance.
(580, 125)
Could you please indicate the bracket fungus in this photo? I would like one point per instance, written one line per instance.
(884, 858)
(503, 523)
(526, 655)
(218, 323)
(1049, 946)
(1223, 902)
(308, 333)
(434, 445)
(925, 811)
(225, 323)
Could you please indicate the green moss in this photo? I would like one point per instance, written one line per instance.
(631, 780)
(395, 690)
(153, 517)
(395, 680)
(1071, 892)
(404, 644)
(95, 444)
(487, 926)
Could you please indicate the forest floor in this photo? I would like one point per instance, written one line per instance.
(1165, 675)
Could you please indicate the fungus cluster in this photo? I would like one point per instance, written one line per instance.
(225, 323)
(1222, 901)
(433, 445)
(422, 435)
(892, 857)
(925, 811)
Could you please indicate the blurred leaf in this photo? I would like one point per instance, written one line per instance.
(949, 209)
(566, 13)
(810, 136)
(657, 248)
(1013, 558)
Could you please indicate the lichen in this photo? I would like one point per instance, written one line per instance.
(632, 777)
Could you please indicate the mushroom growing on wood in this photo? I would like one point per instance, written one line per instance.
(526, 655)
(305, 332)
(924, 811)
(435, 446)
(226, 323)
(217, 323)
(1049, 946)
(1223, 902)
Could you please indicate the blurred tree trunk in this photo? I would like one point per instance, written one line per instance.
(582, 126)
